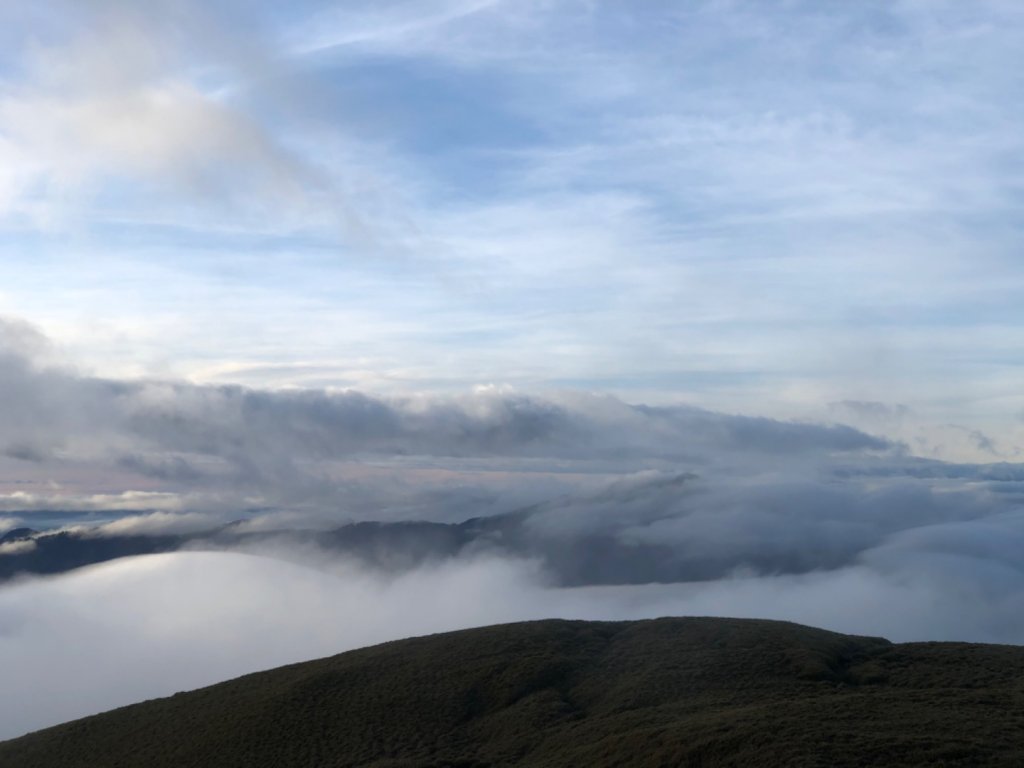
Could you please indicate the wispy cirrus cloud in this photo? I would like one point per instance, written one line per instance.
(121, 113)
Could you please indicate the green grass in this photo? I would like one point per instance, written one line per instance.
(668, 692)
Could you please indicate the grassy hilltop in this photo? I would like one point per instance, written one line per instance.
(667, 692)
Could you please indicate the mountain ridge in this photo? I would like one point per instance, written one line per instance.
(548, 532)
(671, 691)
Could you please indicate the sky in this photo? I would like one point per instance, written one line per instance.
(788, 209)
(731, 284)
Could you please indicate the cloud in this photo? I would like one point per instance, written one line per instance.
(712, 526)
(871, 409)
(620, 493)
(384, 26)
(17, 547)
(153, 524)
(154, 102)
(127, 501)
(295, 448)
(207, 616)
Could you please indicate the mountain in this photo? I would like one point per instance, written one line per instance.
(391, 547)
(666, 692)
(560, 534)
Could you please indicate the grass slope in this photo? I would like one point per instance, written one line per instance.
(668, 692)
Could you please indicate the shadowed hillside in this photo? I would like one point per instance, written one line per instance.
(687, 691)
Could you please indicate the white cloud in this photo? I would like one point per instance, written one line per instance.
(124, 102)
(17, 547)
(383, 25)
(108, 502)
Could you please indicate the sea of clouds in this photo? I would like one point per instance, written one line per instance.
(599, 509)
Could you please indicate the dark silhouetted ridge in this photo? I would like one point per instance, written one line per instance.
(667, 692)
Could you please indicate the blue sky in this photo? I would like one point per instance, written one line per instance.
(791, 209)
